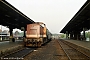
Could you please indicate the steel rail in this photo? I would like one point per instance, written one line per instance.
(77, 50)
(64, 51)
(19, 54)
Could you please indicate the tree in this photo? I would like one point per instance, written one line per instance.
(87, 34)
(62, 35)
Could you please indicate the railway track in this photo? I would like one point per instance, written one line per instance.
(72, 53)
(19, 55)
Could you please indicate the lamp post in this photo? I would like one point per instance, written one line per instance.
(1, 32)
(89, 34)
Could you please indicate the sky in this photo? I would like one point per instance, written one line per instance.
(54, 13)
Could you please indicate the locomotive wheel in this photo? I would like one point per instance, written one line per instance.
(36, 44)
(39, 44)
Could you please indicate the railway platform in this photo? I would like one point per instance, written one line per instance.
(84, 44)
(8, 47)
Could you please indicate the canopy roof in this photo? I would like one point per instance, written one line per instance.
(12, 17)
(80, 20)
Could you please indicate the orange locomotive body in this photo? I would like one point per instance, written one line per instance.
(36, 34)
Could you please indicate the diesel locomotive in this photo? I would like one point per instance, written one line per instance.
(37, 34)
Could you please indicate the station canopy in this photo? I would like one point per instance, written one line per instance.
(80, 20)
(12, 17)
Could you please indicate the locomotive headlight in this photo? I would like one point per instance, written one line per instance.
(25, 40)
(38, 40)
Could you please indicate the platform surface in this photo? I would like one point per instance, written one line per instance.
(7, 44)
(85, 44)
